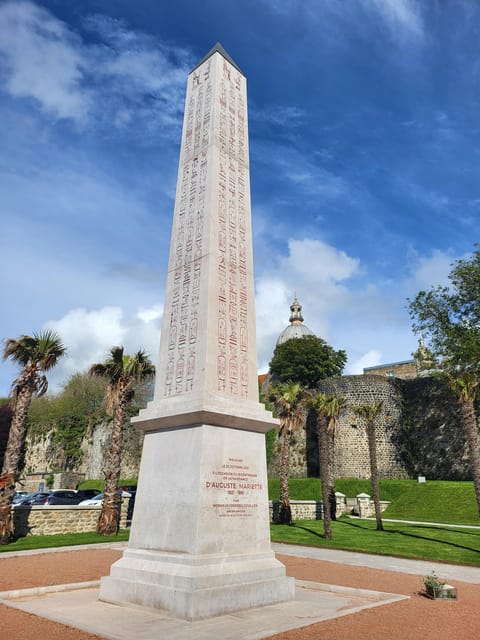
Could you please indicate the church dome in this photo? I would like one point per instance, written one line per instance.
(296, 328)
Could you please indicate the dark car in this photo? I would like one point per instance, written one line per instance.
(19, 495)
(33, 499)
(129, 488)
(63, 496)
(86, 494)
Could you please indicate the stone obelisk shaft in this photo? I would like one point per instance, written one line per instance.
(207, 366)
(200, 540)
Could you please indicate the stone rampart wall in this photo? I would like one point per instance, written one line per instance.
(50, 520)
(351, 444)
(419, 431)
(42, 454)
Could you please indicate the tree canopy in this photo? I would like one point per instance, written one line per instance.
(448, 317)
(306, 361)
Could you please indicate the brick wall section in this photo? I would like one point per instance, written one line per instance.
(50, 520)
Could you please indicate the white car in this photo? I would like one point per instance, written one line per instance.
(98, 499)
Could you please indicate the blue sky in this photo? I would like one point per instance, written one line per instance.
(364, 158)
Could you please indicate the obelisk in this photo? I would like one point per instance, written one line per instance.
(200, 540)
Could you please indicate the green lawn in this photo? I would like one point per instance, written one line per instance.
(433, 501)
(100, 484)
(436, 501)
(427, 542)
(311, 488)
(62, 540)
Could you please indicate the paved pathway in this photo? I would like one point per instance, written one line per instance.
(432, 524)
(389, 563)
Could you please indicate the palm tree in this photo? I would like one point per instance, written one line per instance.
(35, 355)
(288, 398)
(328, 408)
(370, 412)
(465, 385)
(123, 372)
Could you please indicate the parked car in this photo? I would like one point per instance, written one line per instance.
(85, 494)
(129, 488)
(19, 495)
(63, 496)
(33, 499)
(92, 502)
(98, 499)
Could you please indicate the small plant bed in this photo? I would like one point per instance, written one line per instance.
(436, 589)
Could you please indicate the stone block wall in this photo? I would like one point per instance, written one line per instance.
(351, 444)
(50, 520)
(406, 369)
(306, 509)
(419, 432)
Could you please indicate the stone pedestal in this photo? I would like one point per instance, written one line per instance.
(200, 540)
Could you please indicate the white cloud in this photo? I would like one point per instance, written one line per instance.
(279, 115)
(428, 271)
(369, 359)
(319, 262)
(398, 14)
(127, 75)
(90, 334)
(304, 171)
(42, 60)
(340, 303)
(402, 17)
(317, 273)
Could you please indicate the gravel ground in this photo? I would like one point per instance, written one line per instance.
(415, 619)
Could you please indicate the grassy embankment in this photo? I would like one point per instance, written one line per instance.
(434, 501)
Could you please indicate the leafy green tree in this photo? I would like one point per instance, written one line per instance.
(123, 373)
(328, 409)
(370, 412)
(35, 355)
(288, 399)
(448, 318)
(306, 361)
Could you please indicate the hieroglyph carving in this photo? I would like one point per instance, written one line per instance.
(232, 344)
(215, 136)
(189, 239)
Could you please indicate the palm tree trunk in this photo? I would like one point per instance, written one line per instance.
(325, 474)
(285, 510)
(471, 436)
(332, 501)
(108, 521)
(11, 462)
(372, 450)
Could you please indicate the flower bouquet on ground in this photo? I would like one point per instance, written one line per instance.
(437, 589)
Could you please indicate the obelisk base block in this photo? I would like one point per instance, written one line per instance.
(210, 587)
(200, 539)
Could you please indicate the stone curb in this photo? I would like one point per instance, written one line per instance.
(41, 591)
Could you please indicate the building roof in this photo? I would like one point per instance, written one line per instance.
(296, 328)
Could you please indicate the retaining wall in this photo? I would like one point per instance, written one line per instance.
(49, 520)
